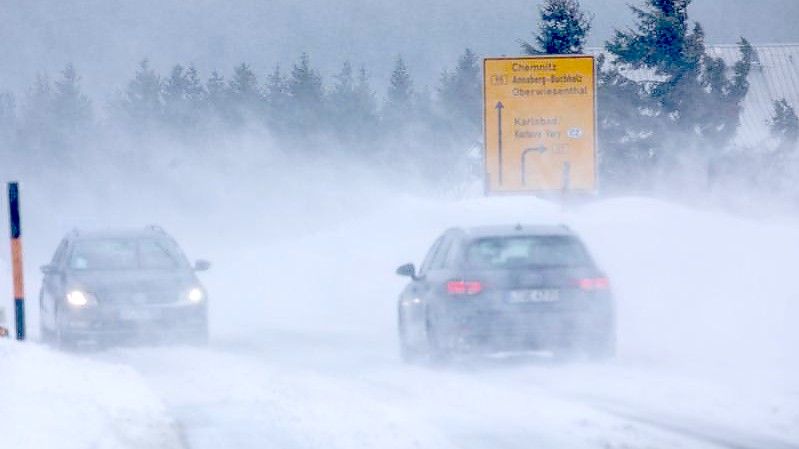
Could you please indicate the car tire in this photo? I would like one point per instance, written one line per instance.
(602, 347)
(201, 338)
(409, 352)
(45, 334)
(439, 351)
(59, 338)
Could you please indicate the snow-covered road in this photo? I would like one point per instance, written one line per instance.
(705, 360)
(304, 352)
(335, 391)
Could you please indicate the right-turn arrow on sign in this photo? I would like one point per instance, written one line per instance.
(540, 124)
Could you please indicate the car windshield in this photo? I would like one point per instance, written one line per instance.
(526, 251)
(125, 254)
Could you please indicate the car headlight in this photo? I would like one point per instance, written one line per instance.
(78, 298)
(196, 295)
(411, 302)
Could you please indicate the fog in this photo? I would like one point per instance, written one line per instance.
(303, 299)
(304, 244)
(105, 39)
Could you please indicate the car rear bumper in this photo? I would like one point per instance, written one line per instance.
(500, 327)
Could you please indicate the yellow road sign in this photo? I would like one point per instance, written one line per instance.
(540, 123)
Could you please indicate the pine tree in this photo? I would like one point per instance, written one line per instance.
(276, 95)
(306, 108)
(563, 29)
(244, 96)
(353, 106)
(276, 90)
(367, 101)
(244, 84)
(663, 43)
(216, 96)
(305, 86)
(141, 101)
(183, 95)
(460, 93)
(365, 117)
(627, 134)
(344, 88)
(8, 106)
(719, 115)
(39, 103)
(784, 126)
(688, 108)
(55, 116)
(71, 108)
(399, 101)
(36, 131)
(344, 102)
(8, 117)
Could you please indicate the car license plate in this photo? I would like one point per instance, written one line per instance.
(137, 315)
(539, 295)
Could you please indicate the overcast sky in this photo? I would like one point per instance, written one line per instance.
(106, 38)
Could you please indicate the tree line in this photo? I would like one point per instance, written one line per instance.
(55, 117)
(664, 103)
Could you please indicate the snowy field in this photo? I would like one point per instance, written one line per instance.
(304, 352)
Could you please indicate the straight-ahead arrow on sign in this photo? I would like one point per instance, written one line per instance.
(499, 138)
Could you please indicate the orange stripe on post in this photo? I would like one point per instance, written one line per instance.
(16, 263)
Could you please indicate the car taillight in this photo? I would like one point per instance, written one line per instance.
(464, 287)
(590, 284)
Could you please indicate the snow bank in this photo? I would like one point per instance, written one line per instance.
(51, 400)
(696, 287)
(693, 287)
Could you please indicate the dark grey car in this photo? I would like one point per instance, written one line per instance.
(514, 288)
(112, 286)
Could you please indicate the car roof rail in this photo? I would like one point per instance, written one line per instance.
(156, 228)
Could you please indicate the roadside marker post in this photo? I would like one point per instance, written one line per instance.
(16, 259)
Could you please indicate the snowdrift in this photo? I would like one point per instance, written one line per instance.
(312, 247)
(51, 400)
(693, 287)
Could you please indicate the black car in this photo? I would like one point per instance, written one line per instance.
(108, 286)
(506, 289)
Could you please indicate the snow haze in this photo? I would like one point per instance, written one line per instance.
(107, 38)
(305, 227)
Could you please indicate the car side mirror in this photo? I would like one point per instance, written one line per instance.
(49, 269)
(408, 270)
(202, 265)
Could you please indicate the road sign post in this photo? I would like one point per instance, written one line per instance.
(540, 124)
(16, 259)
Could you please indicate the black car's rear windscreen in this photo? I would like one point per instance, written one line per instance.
(526, 251)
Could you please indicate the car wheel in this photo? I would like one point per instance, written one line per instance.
(439, 350)
(45, 334)
(596, 346)
(59, 339)
(602, 347)
(201, 337)
(412, 350)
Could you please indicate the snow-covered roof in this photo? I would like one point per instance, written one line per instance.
(775, 75)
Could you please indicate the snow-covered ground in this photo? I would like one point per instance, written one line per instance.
(52, 400)
(303, 350)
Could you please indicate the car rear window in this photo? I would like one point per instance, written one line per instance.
(124, 254)
(526, 251)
